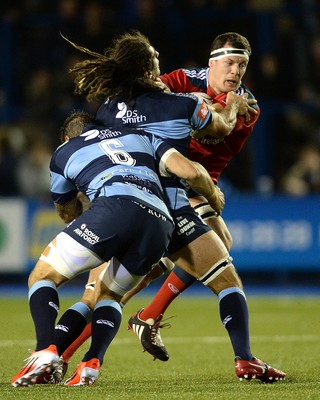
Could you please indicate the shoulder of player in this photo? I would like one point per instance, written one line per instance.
(196, 72)
(60, 149)
(177, 98)
(189, 100)
(66, 149)
(187, 71)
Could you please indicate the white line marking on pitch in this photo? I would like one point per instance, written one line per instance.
(184, 340)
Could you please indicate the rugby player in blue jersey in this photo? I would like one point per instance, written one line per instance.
(126, 76)
(128, 223)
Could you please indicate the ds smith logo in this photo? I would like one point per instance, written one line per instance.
(129, 116)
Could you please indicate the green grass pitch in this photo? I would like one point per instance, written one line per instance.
(285, 332)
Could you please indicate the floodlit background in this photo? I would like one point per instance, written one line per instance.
(274, 216)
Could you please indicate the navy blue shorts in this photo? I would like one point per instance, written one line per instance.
(119, 227)
(188, 227)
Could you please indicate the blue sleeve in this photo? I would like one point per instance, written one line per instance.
(61, 189)
(201, 116)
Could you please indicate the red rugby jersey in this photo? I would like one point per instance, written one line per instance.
(213, 153)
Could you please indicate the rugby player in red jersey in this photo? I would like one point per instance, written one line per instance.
(229, 58)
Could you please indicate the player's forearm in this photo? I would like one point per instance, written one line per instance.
(225, 120)
(197, 177)
(203, 184)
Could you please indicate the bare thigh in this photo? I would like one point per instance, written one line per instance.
(201, 255)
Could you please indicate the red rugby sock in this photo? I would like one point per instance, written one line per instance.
(170, 289)
(69, 352)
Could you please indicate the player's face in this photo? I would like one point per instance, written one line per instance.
(225, 74)
(155, 61)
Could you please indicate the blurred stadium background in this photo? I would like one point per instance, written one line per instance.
(271, 210)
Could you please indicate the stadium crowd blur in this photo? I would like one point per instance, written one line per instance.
(36, 90)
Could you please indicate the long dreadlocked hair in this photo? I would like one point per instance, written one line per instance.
(119, 72)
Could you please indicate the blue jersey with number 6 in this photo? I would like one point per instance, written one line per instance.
(104, 162)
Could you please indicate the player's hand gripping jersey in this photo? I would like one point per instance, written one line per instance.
(213, 153)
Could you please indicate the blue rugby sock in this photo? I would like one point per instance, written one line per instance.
(71, 325)
(106, 320)
(235, 318)
(44, 308)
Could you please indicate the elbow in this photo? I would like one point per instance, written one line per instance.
(222, 133)
(226, 130)
(219, 129)
(223, 125)
(227, 126)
